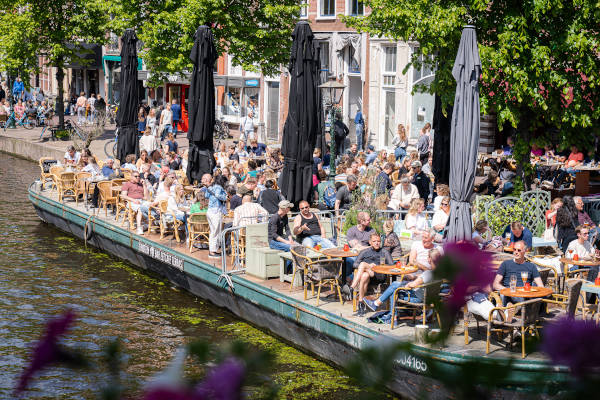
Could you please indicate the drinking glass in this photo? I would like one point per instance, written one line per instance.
(381, 259)
(524, 276)
(513, 283)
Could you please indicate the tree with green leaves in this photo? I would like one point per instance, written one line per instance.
(540, 59)
(257, 34)
(53, 29)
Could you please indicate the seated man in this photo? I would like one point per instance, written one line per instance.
(366, 260)
(280, 237)
(107, 169)
(403, 194)
(358, 239)
(71, 156)
(129, 163)
(519, 233)
(308, 228)
(414, 294)
(580, 246)
(256, 149)
(343, 198)
(371, 154)
(515, 267)
(249, 213)
(135, 191)
(383, 183)
(584, 219)
(419, 251)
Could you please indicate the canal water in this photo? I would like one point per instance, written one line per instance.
(44, 271)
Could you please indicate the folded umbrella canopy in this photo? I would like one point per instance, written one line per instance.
(302, 123)
(464, 140)
(128, 107)
(201, 106)
(441, 143)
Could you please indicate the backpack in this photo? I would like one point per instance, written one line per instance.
(329, 197)
(339, 131)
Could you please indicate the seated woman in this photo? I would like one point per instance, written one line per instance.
(442, 190)
(200, 203)
(413, 293)
(551, 213)
(482, 235)
(92, 166)
(178, 205)
(391, 242)
(148, 143)
(415, 220)
(171, 144)
(366, 260)
(144, 159)
(440, 218)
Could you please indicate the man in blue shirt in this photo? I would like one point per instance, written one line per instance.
(256, 149)
(214, 215)
(515, 267)
(176, 110)
(518, 232)
(18, 89)
(107, 169)
(371, 154)
(360, 124)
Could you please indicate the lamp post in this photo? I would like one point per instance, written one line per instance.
(331, 92)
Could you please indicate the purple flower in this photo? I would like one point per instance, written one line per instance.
(47, 350)
(469, 269)
(573, 343)
(224, 382)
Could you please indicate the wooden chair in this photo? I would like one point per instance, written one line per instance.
(66, 185)
(530, 312)
(126, 174)
(431, 296)
(118, 181)
(568, 302)
(45, 173)
(238, 246)
(106, 195)
(198, 229)
(122, 208)
(320, 271)
(395, 178)
(3, 120)
(55, 171)
(494, 297)
(167, 221)
(80, 185)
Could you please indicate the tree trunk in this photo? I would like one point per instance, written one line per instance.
(60, 103)
(523, 140)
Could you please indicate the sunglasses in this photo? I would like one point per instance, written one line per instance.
(136, 176)
(445, 204)
(304, 208)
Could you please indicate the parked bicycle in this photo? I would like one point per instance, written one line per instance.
(24, 121)
(221, 132)
(110, 147)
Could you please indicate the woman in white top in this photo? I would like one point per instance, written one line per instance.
(415, 220)
(442, 190)
(151, 122)
(242, 153)
(148, 142)
(403, 194)
(178, 205)
(440, 218)
(221, 156)
(166, 121)
(92, 167)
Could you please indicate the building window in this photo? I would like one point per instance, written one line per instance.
(356, 7)
(232, 101)
(250, 101)
(327, 8)
(423, 70)
(303, 8)
(353, 65)
(233, 70)
(324, 60)
(389, 64)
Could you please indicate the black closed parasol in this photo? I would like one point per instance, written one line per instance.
(302, 123)
(202, 106)
(128, 107)
(441, 143)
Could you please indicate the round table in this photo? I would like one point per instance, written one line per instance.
(393, 270)
(591, 288)
(580, 263)
(339, 253)
(532, 293)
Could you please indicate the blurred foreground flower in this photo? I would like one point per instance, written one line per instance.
(573, 343)
(469, 270)
(48, 351)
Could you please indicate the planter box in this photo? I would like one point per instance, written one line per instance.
(262, 262)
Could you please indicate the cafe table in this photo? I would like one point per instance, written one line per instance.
(580, 263)
(393, 270)
(532, 293)
(590, 287)
(339, 252)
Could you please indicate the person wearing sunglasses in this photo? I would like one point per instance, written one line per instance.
(135, 191)
(308, 228)
(514, 267)
(440, 218)
(580, 246)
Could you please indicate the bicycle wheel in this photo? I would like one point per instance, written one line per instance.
(27, 124)
(110, 148)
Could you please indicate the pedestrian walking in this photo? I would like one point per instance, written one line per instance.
(359, 122)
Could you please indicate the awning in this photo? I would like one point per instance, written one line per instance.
(118, 58)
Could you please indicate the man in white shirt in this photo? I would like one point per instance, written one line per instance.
(71, 156)
(249, 213)
(419, 251)
(247, 128)
(580, 246)
(403, 194)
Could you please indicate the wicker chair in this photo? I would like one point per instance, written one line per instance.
(198, 229)
(167, 221)
(322, 271)
(494, 297)
(126, 174)
(122, 208)
(568, 302)
(80, 185)
(106, 195)
(45, 173)
(530, 312)
(55, 171)
(66, 185)
(238, 246)
(431, 296)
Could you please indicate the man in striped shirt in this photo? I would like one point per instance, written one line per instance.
(249, 213)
